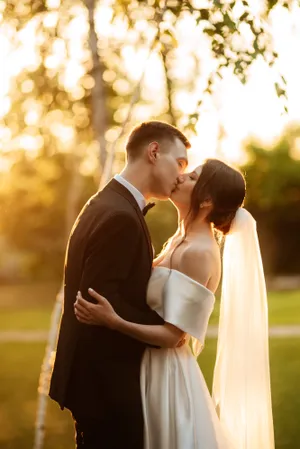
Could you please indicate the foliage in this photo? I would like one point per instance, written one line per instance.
(33, 202)
(162, 223)
(274, 199)
(225, 26)
(235, 36)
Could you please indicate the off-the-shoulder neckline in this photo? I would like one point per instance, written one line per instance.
(186, 277)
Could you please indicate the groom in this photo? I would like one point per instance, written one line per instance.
(96, 373)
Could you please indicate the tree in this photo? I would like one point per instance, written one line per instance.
(39, 190)
(273, 196)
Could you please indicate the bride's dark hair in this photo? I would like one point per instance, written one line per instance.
(225, 186)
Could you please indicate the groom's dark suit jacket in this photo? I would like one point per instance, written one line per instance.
(96, 370)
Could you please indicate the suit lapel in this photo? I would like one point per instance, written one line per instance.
(119, 188)
(147, 233)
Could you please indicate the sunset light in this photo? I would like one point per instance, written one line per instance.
(126, 314)
(229, 117)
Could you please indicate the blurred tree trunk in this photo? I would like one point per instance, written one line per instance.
(100, 126)
(99, 104)
(74, 193)
(169, 88)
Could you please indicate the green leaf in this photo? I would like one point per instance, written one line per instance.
(204, 14)
(279, 90)
(283, 79)
(218, 3)
(244, 16)
(229, 22)
(171, 35)
(209, 31)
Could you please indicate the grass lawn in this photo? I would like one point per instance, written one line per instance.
(29, 308)
(18, 393)
(285, 369)
(26, 307)
(20, 364)
(284, 309)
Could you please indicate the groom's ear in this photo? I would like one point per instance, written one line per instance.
(153, 152)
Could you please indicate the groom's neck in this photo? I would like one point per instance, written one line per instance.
(135, 174)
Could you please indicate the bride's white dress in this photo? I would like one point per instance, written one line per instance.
(178, 410)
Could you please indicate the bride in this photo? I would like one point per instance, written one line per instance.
(179, 412)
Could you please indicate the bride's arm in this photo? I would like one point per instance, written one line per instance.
(196, 264)
(103, 314)
(165, 336)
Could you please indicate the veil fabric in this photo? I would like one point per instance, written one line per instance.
(241, 384)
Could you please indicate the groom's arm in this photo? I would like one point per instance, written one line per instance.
(111, 254)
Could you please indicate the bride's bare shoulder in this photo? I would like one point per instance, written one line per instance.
(200, 262)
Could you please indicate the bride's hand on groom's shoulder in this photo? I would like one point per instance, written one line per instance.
(100, 314)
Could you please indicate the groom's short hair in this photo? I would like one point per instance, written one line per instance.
(152, 131)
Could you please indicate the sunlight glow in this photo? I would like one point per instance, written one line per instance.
(227, 119)
(65, 133)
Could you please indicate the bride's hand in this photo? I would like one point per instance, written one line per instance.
(182, 341)
(101, 314)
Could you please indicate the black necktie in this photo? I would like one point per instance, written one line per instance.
(148, 207)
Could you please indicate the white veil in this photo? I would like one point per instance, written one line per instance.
(241, 384)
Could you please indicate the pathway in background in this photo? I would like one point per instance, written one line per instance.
(40, 335)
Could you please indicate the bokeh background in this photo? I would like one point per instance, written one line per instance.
(75, 77)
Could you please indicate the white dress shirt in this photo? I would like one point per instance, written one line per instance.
(140, 199)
